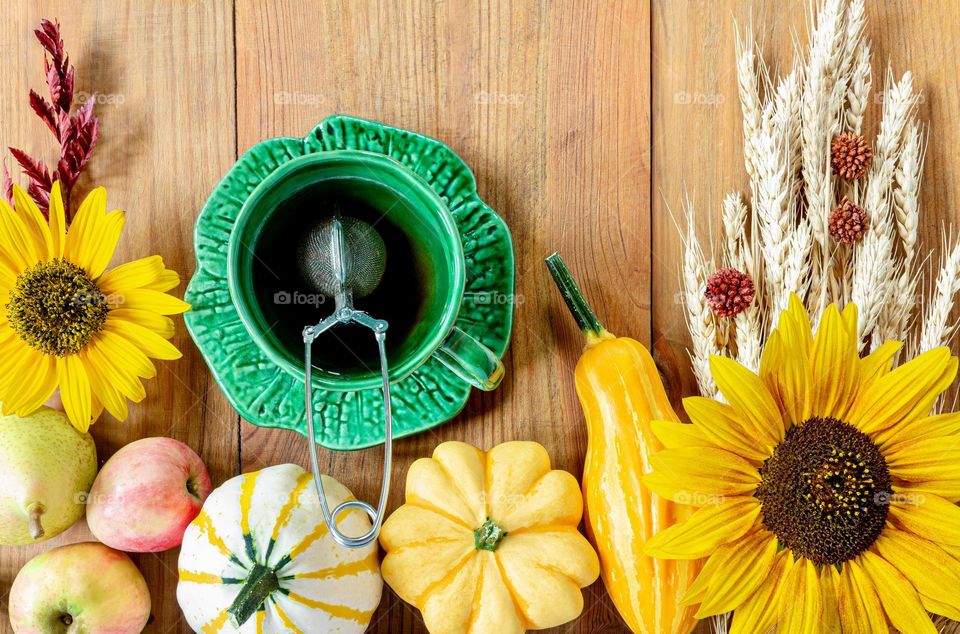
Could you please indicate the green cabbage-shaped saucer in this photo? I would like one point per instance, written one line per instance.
(267, 396)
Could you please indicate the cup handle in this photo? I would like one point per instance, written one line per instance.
(470, 360)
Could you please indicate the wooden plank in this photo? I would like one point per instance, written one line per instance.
(548, 104)
(164, 73)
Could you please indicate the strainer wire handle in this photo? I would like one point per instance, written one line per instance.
(310, 334)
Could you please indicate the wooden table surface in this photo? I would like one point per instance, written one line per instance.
(584, 122)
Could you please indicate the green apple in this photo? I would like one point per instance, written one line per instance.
(46, 469)
(84, 587)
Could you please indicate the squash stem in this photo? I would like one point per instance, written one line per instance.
(260, 584)
(586, 319)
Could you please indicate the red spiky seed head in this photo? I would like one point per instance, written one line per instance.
(729, 292)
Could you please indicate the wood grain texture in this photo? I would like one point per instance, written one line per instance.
(583, 123)
(164, 72)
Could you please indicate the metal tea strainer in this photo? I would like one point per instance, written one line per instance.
(344, 258)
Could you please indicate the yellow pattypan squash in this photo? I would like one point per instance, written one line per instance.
(488, 541)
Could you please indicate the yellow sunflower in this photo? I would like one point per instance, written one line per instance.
(66, 323)
(827, 489)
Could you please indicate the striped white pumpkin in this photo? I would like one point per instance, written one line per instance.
(269, 523)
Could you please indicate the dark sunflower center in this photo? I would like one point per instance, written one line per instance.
(56, 308)
(825, 491)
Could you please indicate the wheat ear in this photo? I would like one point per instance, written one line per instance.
(700, 319)
(937, 328)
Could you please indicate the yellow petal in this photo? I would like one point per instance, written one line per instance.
(131, 275)
(30, 382)
(159, 324)
(705, 471)
(906, 393)
(835, 364)
(105, 391)
(82, 234)
(152, 344)
(759, 612)
(745, 566)
(674, 434)
(75, 391)
(545, 583)
(748, 396)
(719, 423)
(99, 253)
(930, 459)
(929, 516)
(58, 222)
(860, 609)
(897, 595)
(105, 353)
(878, 363)
(153, 301)
(903, 435)
(917, 559)
(770, 361)
(794, 328)
(947, 489)
(801, 605)
(830, 618)
(795, 385)
(16, 242)
(34, 223)
(706, 530)
(168, 280)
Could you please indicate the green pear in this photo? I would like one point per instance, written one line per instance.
(46, 470)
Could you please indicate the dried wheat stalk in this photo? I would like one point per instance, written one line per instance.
(700, 319)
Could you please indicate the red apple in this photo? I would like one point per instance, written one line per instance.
(79, 588)
(146, 495)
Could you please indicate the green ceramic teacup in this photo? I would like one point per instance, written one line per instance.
(406, 208)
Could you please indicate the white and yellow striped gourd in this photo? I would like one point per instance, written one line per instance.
(258, 559)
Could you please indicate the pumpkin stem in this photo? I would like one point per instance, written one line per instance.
(260, 584)
(586, 319)
(488, 536)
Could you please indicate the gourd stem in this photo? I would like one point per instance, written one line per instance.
(260, 584)
(586, 319)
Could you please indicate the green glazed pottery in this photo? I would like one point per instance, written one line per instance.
(469, 317)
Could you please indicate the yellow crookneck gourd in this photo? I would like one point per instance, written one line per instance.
(621, 393)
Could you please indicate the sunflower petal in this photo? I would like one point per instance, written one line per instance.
(860, 609)
(107, 238)
(905, 434)
(879, 362)
(705, 531)
(30, 382)
(707, 472)
(16, 242)
(718, 423)
(34, 222)
(75, 391)
(801, 605)
(915, 558)
(168, 280)
(835, 364)
(152, 344)
(906, 393)
(131, 275)
(153, 301)
(947, 489)
(794, 326)
(759, 612)
(830, 619)
(104, 352)
(930, 459)
(57, 226)
(105, 391)
(159, 324)
(748, 396)
(897, 595)
(674, 434)
(930, 517)
(82, 236)
(751, 557)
